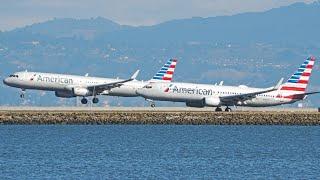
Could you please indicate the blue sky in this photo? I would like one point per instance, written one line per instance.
(18, 13)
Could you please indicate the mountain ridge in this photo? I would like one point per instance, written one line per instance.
(251, 27)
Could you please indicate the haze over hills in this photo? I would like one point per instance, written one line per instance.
(251, 48)
(69, 28)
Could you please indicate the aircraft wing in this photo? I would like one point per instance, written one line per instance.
(247, 96)
(101, 87)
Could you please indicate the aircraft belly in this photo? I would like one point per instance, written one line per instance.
(258, 102)
(180, 97)
(125, 91)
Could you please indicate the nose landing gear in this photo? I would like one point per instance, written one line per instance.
(152, 103)
(23, 91)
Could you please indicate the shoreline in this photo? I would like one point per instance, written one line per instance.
(157, 116)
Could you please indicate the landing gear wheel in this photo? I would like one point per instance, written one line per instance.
(23, 91)
(228, 109)
(153, 105)
(95, 100)
(218, 109)
(84, 101)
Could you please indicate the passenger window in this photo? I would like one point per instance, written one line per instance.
(148, 86)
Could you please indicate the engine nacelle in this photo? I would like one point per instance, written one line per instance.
(212, 101)
(106, 92)
(64, 94)
(79, 91)
(199, 104)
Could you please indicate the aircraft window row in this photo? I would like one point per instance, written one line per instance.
(264, 95)
(13, 75)
(228, 93)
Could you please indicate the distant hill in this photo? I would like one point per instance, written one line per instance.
(239, 49)
(67, 27)
(297, 23)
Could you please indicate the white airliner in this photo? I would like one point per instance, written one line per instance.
(201, 95)
(68, 86)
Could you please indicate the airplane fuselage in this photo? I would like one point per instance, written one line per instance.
(197, 93)
(64, 83)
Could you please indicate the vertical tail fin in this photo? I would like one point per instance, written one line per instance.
(165, 74)
(298, 82)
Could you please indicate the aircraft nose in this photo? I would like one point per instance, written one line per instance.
(5, 81)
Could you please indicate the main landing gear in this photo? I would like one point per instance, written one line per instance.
(84, 100)
(95, 100)
(228, 109)
(219, 109)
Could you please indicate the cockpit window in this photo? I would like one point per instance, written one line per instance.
(13, 75)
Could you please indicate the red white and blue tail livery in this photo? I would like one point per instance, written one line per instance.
(298, 82)
(165, 74)
(295, 87)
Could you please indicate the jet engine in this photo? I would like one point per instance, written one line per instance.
(79, 91)
(64, 94)
(212, 101)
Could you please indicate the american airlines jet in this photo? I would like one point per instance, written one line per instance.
(201, 95)
(68, 86)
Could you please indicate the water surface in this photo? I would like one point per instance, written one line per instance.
(161, 151)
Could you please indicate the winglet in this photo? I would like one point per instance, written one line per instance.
(279, 84)
(275, 87)
(134, 76)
